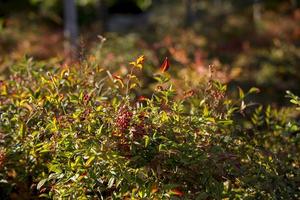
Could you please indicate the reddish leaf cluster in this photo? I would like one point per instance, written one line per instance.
(86, 98)
(123, 119)
(139, 131)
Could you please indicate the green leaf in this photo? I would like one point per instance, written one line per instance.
(111, 182)
(41, 183)
(253, 90)
(99, 131)
(147, 140)
(45, 195)
(54, 168)
(205, 111)
(22, 130)
(211, 119)
(225, 122)
(161, 147)
(89, 161)
(241, 93)
(133, 85)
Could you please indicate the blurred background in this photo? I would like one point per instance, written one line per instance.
(250, 42)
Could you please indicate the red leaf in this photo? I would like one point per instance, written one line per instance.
(165, 65)
(142, 98)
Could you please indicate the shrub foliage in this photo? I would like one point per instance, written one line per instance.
(81, 132)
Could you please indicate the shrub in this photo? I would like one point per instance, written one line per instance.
(80, 132)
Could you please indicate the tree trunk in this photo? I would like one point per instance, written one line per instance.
(257, 7)
(101, 13)
(189, 14)
(70, 28)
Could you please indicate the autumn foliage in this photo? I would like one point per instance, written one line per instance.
(84, 132)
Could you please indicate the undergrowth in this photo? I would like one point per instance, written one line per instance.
(81, 132)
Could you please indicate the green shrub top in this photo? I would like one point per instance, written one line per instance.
(81, 132)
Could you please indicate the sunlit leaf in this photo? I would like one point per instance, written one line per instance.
(254, 90)
(241, 93)
(147, 140)
(41, 183)
(111, 182)
(89, 161)
(165, 65)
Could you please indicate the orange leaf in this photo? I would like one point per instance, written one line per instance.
(154, 189)
(177, 192)
(165, 65)
(189, 94)
(117, 77)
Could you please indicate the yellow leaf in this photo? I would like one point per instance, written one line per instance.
(89, 161)
(133, 85)
(140, 60)
(65, 73)
(3, 90)
(27, 106)
(133, 63)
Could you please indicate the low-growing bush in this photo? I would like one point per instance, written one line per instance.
(81, 132)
